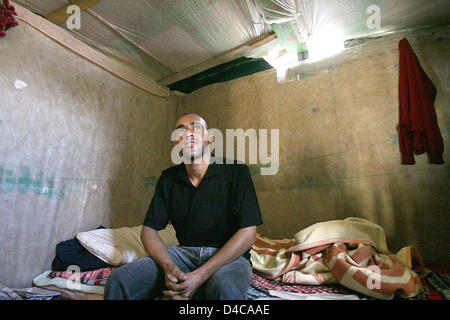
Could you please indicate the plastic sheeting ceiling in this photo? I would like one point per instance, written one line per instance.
(158, 38)
(167, 36)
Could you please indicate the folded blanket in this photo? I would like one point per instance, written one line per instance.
(324, 254)
(45, 281)
(272, 259)
(95, 277)
(361, 268)
(350, 230)
(74, 295)
(7, 293)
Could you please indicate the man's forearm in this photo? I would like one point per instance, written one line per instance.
(238, 244)
(155, 247)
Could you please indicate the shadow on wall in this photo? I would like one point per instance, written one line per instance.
(143, 151)
(409, 203)
(304, 193)
(420, 211)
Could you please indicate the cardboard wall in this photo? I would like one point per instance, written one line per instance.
(79, 148)
(339, 151)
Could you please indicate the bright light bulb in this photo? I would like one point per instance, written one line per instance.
(325, 44)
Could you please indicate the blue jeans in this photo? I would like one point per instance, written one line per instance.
(145, 279)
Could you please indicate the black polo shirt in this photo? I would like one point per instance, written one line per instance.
(208, 215)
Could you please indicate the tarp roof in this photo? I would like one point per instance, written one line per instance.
(168, 40)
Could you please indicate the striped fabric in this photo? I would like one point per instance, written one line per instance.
(96, 277)
(357, 266)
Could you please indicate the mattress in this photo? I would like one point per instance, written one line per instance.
(436, 287)
(260, 289)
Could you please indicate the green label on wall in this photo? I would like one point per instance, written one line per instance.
(23, 182)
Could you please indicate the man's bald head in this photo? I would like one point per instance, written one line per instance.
(192, 115)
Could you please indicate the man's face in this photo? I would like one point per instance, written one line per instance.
(191, 133)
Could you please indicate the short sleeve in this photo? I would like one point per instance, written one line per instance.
(157, 216)
(245, 202)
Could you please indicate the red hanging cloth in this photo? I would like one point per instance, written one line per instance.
(418, 127)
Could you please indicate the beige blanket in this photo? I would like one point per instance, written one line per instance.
(352, 252)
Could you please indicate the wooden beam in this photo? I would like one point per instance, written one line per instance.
(223, 58)
(60, 15)
(66, 39)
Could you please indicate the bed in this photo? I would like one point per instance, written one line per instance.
(122, 245)
(436, 287)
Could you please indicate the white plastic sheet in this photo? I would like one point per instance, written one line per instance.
(161, 37)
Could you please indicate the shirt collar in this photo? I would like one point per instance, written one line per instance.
(213, 169)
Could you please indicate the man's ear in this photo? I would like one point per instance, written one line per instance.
(211, 138)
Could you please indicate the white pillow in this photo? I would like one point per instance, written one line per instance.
(122, 245)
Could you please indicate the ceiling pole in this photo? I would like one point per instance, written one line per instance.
(217, 60)
(66, 39)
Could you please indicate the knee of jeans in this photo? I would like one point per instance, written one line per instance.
(118, 276)
(224, 289)
(114, 277)
(113, 287)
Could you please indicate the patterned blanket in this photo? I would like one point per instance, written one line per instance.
(95, 277)
(351, 252)
(263, 288)
(436, 287)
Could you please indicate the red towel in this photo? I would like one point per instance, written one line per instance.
(418, 127)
